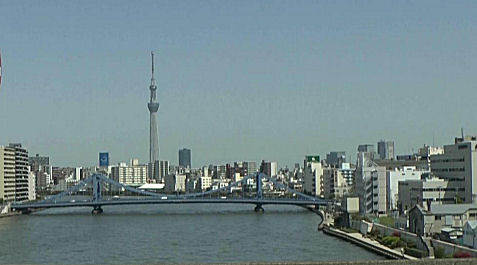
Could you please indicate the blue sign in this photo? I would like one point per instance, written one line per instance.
(104, 159)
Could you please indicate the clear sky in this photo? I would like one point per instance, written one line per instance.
(237, 80)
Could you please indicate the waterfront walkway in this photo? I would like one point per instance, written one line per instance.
(368, 243)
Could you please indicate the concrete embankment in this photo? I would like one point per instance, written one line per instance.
(373, 262)
(358, 239)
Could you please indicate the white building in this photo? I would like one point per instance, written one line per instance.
(313, 178)
(130, 175)
(458, 166)
(393, 177)
(205, 182)
(31, 186)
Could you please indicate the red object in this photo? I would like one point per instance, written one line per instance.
(462, 254)
(397, 234)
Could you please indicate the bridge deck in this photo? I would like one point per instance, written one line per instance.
(165, 201)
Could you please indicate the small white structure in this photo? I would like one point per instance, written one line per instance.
(470, 234)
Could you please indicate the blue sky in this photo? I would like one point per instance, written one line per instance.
(237, 80)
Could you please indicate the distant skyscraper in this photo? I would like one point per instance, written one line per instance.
(386, 149)
(103, 159)
(153, 107)
(185, 158)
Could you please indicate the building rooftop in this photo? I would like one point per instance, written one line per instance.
(451, 209)
(472, 224)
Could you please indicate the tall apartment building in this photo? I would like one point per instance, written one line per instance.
(370, 183)
(386, 149)
(14, 174)
(7, 174)
(458, 165)
(133, 174)
(313, 176)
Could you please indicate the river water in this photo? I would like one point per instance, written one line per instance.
(171, 234)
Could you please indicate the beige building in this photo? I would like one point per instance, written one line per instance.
(133, 174)
(14, 174)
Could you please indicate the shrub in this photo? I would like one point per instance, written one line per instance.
(415, 252)
(461, 254)
(390, 241)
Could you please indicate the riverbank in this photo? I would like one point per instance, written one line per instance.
(367, 243)
(10, 214)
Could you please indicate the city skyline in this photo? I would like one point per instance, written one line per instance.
(323, 77)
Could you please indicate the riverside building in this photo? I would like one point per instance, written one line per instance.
(14, 174)
(458, 165)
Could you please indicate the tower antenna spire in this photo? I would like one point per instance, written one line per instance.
(152, 63)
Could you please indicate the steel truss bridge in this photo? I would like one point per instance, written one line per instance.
(99, 184)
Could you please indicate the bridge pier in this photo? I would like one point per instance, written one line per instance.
(97, 210)
(259, 208)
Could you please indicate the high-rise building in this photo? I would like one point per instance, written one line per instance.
(185, 158)
(14, 173)
(133, 174)
(153, 107)
(313, 176)
(386, 149)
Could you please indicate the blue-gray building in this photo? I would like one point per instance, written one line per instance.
(185, 158)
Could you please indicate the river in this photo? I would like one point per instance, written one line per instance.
(171, 234)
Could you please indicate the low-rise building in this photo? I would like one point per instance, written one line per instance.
(424, 191)
(470, 234)
(427, 222)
